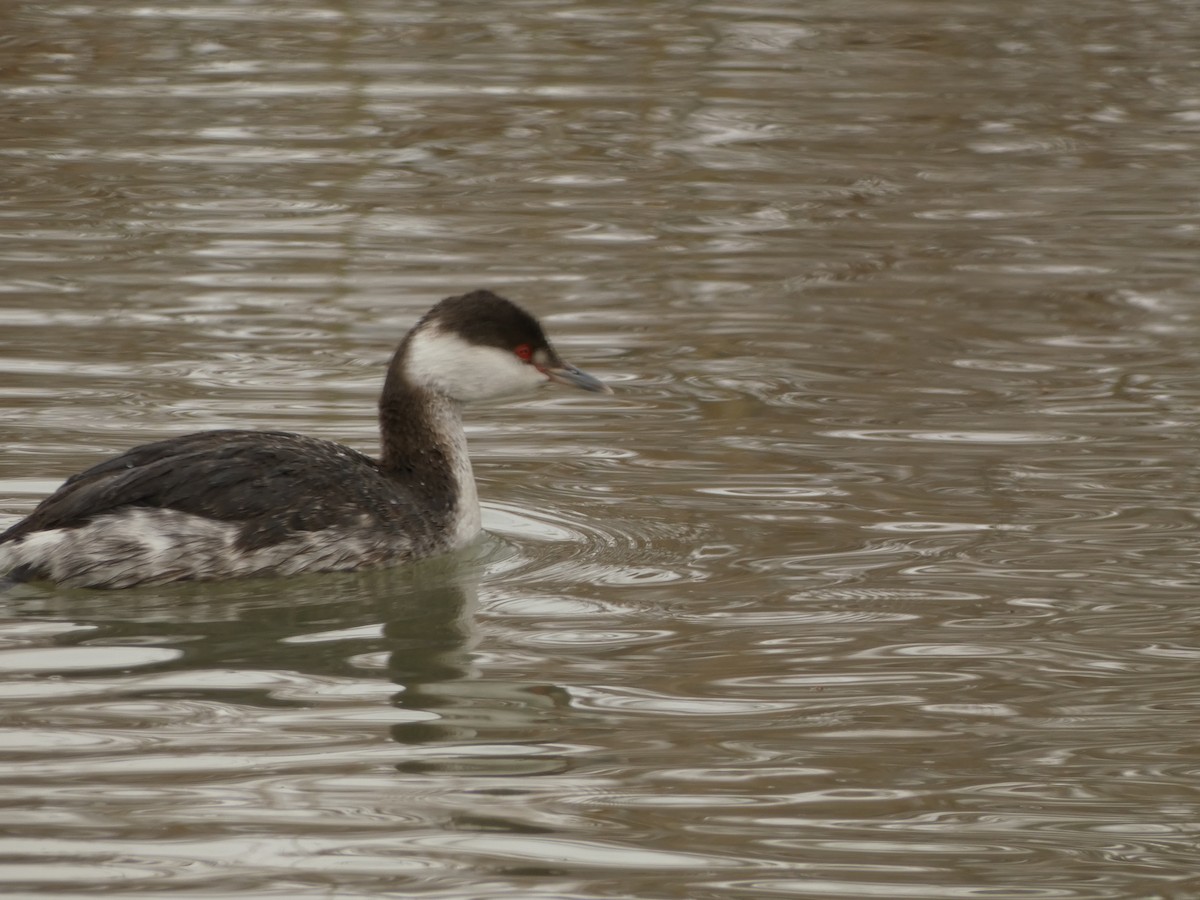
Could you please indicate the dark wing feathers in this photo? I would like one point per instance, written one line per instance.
(269, 482)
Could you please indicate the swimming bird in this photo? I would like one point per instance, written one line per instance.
(226, 504)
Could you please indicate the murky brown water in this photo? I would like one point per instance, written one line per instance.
(877, 577)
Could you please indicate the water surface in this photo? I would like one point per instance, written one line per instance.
(876, 577)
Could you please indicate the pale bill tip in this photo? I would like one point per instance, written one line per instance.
(567, 374)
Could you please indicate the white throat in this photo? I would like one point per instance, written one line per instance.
(445, 418)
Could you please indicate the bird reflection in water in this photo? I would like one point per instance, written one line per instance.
(431, 641)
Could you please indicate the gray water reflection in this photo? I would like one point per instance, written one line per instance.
(874, 579)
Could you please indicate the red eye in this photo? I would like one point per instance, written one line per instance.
(524, 352)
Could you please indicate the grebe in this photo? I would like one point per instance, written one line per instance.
(224, 504)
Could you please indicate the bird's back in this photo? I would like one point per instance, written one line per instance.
(219, 504)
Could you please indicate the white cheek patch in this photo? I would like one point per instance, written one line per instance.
(446, 363)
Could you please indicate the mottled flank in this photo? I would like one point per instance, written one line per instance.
(153, 546)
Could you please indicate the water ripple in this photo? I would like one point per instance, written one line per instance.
(876, 576)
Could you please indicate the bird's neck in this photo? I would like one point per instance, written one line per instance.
(424, 447)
